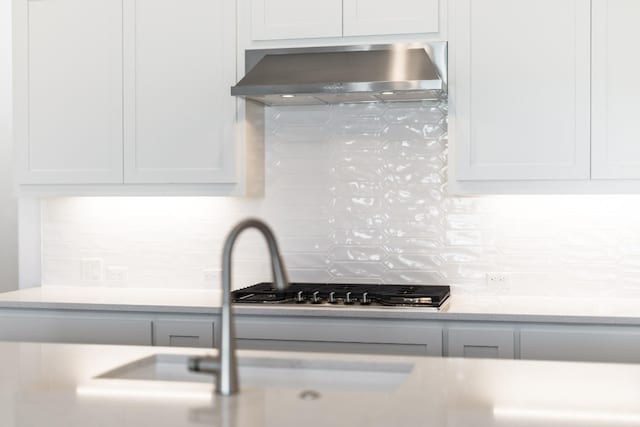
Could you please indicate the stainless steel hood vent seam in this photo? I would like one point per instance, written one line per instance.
(345, 74)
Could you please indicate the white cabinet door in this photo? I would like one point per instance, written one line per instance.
(520, 89)
(373, 17)
(68, 90)
(616, 90)
(295, 19)
(480, 342)
(584, 344)
(183, 333)
(180, 64)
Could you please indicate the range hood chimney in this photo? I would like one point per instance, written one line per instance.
(345, 74)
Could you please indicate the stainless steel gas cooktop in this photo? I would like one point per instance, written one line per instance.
(435, 298)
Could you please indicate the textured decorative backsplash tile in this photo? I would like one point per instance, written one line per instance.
(355, 193)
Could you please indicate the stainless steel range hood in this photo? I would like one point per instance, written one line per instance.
(345, 74)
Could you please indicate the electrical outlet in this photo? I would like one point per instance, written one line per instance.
(497, 281)
(116, 274)
(211, 276)
(91, 269)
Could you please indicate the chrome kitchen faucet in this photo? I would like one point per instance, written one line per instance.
(225, 366)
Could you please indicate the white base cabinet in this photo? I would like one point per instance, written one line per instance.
(75, 328)
(339, 335)
(85, 327)
(586, 344)
(434, 338)
(369, 336)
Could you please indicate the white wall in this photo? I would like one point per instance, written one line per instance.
(357, 193)
(8, 205)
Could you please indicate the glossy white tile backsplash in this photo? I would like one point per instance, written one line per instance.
(355, 193)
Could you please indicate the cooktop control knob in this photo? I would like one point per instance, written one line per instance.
(332, 298)
(365, 299)
(347, 299)
(316, 298)
(299, 298)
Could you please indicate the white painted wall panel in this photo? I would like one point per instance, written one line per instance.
(8, 202)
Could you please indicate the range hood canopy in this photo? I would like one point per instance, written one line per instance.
(345, 74)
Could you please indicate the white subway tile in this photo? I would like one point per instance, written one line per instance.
(356, 193)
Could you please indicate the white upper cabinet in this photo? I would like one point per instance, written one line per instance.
(179, 65)
(68, 91)
(520, 89)
(295, 19)
(374, 17)
(616, 90)
(125, 92)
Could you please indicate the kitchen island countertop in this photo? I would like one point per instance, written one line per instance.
(616, 311)
(56, 385)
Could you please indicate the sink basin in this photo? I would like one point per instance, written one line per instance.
(273, 372)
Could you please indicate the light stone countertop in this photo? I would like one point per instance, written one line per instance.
(56, 385)
(464, 308)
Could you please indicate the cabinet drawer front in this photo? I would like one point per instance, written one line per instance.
(294, 19)
(183, 333)
(491, 343)
(581, 344)
(377, 17)
(334, 335)
(78, 330)
(338, 347)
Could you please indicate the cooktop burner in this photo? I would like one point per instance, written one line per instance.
(314, 294)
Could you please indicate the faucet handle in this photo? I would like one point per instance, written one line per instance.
(207, 365)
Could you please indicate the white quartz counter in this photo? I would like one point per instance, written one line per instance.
(114, 299)
(56, 386)
(463, 308)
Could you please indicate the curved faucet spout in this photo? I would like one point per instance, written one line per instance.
(227, 378)
(277, 266)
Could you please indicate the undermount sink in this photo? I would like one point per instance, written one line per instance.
(273, 372)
